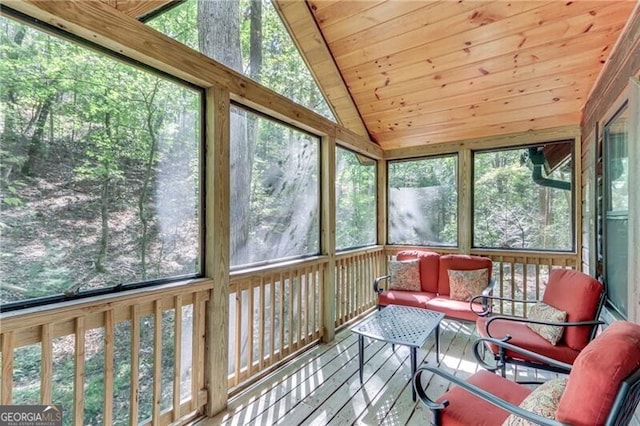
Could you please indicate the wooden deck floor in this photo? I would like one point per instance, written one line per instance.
(321, 387)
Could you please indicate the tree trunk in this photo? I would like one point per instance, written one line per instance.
(153, 121)
(35, 150)
(255, 40)
(219, 38)
(104, 207)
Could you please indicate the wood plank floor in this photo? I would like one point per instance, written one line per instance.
(321, 387)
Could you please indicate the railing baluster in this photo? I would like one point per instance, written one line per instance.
(238, 332)
(177, 357)
(250, 331)
(272, 312)
(261, 325)
(135, 364)
(7, 368)
(109, 328)
(46, 374)
(78, 387)
(157, 361)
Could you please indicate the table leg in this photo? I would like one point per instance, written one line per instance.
(414, 362)
(360, 354)
(438, 344)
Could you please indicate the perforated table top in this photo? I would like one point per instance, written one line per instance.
(401, 325)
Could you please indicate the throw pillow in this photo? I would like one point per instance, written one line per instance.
(543, 401)
(465, 285)
(543, 312)
(405, 275)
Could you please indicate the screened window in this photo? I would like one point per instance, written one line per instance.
(522, 198)
(249, 37)
(99, 171)
(423, 201)
(616, 215)
(355, 200)
(275, 194)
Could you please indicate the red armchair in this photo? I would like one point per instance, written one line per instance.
(573, 292)
(603, 387)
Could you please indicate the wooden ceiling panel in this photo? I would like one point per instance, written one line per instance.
(424, 72)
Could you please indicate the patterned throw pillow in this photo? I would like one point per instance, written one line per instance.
(465, 285)
(543, 312)
(543, 401)
(405, 275)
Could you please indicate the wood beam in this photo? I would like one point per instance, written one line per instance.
(217, 246)
(328, 237)
(634, 200)
(490, 142)
(305, 33)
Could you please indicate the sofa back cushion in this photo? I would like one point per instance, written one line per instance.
(429, 262)
(597, 373)
(578, 295)
(459, 262)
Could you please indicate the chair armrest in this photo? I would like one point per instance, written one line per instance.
(503, 343)
(530, 321)
(377, 281)
(477, 391)
(485, 296)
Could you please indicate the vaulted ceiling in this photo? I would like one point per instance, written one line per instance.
(414, 72)
(423, 72)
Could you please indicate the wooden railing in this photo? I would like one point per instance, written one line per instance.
(355, 272)
(274, 313)
(521, 275)
(134, 358)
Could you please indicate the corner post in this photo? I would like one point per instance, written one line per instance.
(216, 264)
(328, 236)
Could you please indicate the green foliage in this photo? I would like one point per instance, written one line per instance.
(512, 211)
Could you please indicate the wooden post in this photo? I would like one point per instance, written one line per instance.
(634, 200)
(465, 206)
(576, 188)
(328, 237)
(381, 187)
(217, 159)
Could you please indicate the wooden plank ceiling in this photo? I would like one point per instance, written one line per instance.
(423, 72)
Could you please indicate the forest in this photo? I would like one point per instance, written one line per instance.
(101, 171)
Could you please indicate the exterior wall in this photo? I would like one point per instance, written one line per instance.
(612, 89)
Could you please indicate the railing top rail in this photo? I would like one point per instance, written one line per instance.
(32, 317)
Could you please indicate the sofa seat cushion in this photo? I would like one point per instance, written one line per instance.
(464, 407)
(417, 299)
(453, 308)
(429, 267)
(596, 375)
(525, 338)
(578, 295)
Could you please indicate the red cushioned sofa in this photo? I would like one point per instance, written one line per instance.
(434, 283)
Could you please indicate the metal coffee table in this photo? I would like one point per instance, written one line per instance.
(400, 325)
